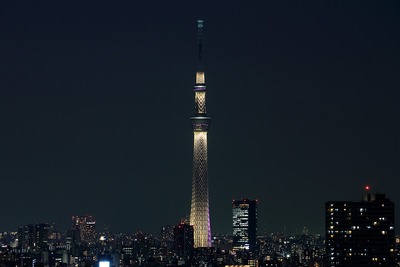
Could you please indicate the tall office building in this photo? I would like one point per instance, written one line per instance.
(26, 237)
(167, 235)
(199, 212)
(183, 240)
(360, 233)
(244, 222)
(85, 228)
(41, 236)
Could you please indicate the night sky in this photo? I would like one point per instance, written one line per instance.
(95, 100)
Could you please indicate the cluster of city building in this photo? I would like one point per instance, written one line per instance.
(357, 234)
(82, 245)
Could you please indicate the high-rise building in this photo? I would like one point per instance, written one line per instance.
(26, 237)
(183, 240)
(41, 236)
(360, 233)
(85, 227)
(244, 222)
(167, 235)
(199, 212)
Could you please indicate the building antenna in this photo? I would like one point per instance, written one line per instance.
(200, 25)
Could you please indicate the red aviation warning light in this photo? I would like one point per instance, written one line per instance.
(367, 187)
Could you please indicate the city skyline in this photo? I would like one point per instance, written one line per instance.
(94, 101)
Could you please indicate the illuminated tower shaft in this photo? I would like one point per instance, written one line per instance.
(199, 213)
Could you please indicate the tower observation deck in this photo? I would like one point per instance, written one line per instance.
(199, 211)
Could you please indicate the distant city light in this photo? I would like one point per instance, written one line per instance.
(104, 264)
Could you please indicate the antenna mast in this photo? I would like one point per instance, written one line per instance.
(200, 26)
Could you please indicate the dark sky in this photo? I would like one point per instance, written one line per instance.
(95, 100)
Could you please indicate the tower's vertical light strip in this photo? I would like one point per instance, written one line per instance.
(199, 212)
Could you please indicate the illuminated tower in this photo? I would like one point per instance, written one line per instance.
(199, 212)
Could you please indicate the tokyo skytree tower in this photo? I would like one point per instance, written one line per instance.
(199, 212)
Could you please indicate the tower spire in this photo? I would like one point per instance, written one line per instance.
(200, 25)
(199, 210)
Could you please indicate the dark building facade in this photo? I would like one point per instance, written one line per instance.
(41, 236)
(26, 237)
(244, 222)
(360, 233)
(184, 240)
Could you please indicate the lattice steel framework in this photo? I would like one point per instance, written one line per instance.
(199, 212)
(200, 100)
